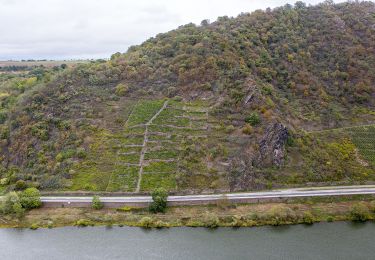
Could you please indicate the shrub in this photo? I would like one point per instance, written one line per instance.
(34, 226)
(211, 220)
(21, 185)
(159, 200)
(247, 129)
(121, 89)
(30, 198)
(83, 223)
(146, 222)
(12, 205)
(253, 119)
(308, 218)
(359, 212)
(96, 203)
(81, 153)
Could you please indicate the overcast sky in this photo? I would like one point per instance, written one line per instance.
(79, 29)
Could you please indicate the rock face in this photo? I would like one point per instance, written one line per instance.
(243, 176)
(272, 146)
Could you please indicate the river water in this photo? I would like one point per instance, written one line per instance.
(341, 240)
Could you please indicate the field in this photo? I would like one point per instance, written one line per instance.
(364, 138)
(145, 152)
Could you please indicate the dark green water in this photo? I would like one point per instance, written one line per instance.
(320, 241)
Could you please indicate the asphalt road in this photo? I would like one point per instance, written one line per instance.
(189, 199)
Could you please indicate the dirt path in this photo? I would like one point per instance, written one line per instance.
(144, 145)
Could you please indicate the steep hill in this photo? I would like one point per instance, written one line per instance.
(236, 104)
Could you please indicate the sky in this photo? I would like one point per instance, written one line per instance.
(85, 29)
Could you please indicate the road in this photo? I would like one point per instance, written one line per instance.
(212, 198)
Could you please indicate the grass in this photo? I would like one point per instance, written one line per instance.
(166, 154)
(152, 180)
(364, 138)
(144, 111)
(123, 179)
(165, 167)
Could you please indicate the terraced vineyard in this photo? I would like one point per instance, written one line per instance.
(144, 154)
(364, 138)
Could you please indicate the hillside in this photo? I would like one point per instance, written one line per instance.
(238, 104)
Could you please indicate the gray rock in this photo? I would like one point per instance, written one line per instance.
(272, 146)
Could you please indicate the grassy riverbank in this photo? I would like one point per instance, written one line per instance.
(223, 214)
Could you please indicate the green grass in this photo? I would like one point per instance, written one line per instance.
(164, 154)
(129, 158)
(152, 180)
(167, 167)
(144, 111)
(123, 179)
(364, 138)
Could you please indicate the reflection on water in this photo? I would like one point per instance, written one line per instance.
(319, 241)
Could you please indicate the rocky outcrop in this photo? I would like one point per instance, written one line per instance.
(272, 146)
(243, 176)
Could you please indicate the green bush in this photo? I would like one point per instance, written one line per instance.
(146, 222)
(12, 205)
(159, 203)
(34, 226)
(211, 220)
(308, 218)
(253, 119)
(20, 185)
(121, 89)
(30, 198)
(96, 203)
(83, 223)
(359, 213)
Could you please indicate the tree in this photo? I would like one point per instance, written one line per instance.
(30, 198)
(12, 205)
(96, 203)
(159, 203)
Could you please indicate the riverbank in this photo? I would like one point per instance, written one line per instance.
(223, 214)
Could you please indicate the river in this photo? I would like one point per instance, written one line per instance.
(340, 240)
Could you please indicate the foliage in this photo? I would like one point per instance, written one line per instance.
(30, 198)
(253, 119)
(121, 89)
(159, 200)
(96, 203)
(359, 212)
(12, 205)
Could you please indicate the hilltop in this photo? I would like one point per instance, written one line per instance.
(238, 104)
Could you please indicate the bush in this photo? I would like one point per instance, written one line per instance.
(211, 220)
(83, 223)
(146, 222)
(96, 203)
(247, 129)
(253, 119)
(159, 203)
(359, 212)
(121, 89)
(30, 198)
(21, 185)
(34, 226)
(12, 205)
(308, 218)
